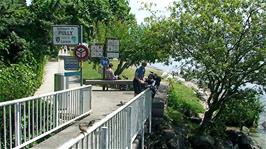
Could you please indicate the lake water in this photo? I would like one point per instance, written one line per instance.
(259, 136)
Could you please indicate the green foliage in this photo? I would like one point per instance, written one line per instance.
(223, 43)
(184, 100)
(16, 81)
(175, 115)
(248, 103)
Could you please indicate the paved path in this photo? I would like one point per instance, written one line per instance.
(103, 103)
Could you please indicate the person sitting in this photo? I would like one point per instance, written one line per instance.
(109, 74)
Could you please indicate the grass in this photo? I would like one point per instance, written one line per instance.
(182, 98)
(182, 103)
(91, 72)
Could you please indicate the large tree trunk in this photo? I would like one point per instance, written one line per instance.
(121, 67)
(207, 120)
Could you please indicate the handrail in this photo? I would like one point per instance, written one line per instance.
(29, 119)
(39, 96)
(120, 127)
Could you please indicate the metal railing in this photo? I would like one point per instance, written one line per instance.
(119, 129)
(26, 120)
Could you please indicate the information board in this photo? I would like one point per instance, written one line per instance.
(97, 50)
(66, 34)
(112, 45)
(112, 48)
(71, 63)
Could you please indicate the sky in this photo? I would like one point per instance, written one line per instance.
(141, 14)
(161, 5)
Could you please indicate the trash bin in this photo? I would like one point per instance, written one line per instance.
(59, 82)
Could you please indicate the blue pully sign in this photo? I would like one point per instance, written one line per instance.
(104, 61)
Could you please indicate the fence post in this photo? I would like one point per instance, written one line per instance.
(150, 110)
(17, 124)
(86, 99)
(129, 127)
(103, 138)
(56, 112)
(81, 100)
(142, 136)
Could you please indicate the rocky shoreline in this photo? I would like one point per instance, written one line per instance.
(165, 135)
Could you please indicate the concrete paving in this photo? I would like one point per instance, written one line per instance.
(103, 103)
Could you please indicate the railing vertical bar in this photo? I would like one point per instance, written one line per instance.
(129, 128)
(82, 143)
(92, 141)
(77, 103)
(124, 128)
(70, 106)
(111, 133)
(10, 127)
(51, 113)
(33, 132)
(4, 108)
(56, 110)
(29, 119)
(37, 119)
(77, 145)
(41, 116)
(44, 114)
(17, 121)
(66, 109)
(47, 113)
(96, 140)
(24, 121)
(87, 141)
(116, 131)
(73, 103)
(119, 130)
(104, 138)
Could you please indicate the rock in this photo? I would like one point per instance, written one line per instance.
(172, 144)
(202, 142)
(245, 130)
(232, 136)
(244, 142)
(196, 120)
(220, 144)
(169, 134)
(264, 124)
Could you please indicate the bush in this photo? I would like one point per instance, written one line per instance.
(242, 110)
(17, 81)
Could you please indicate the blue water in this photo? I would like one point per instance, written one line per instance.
(259, 136)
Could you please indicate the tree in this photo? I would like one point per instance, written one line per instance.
(224, 43)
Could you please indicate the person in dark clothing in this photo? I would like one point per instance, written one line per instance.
(138, 81)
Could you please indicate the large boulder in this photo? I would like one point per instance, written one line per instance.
(244, 142)
(202, 142)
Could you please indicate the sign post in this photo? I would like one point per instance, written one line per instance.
(82, 53)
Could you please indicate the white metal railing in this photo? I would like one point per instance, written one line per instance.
(119, 129)
(26, 120)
